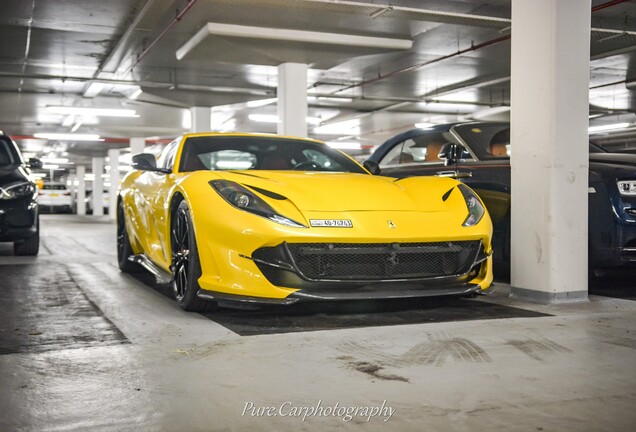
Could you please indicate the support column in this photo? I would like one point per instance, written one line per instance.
(97, 199)
(292, 99)
(113, 156)
(201, 119)
(81, 190)
(70, 182)
(137, 145)
(549, 157)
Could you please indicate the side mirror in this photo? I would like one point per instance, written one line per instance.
(453, 153)
(147, 162)
(372, 166)
(34, 163)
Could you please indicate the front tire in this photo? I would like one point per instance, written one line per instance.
(186, 267)
(30, 246)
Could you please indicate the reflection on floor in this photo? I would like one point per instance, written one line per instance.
(350, 314)
(44, 309)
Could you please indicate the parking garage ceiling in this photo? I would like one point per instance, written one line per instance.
(423, 61)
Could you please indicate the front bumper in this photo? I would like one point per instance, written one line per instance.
(252, 265)
(612, 227)
(370, 292)
(18, 220)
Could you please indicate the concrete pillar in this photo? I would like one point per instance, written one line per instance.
(292, 99)
(98, 187)
(549, 155)
(137, 145)
(201, 119)
(113, 156)
(70, 181)
(81, 190)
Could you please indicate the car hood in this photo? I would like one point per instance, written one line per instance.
(614, 159)
(321, 191)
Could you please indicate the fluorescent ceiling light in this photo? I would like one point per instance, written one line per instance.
(341, 145)
(272, 118)
(68, 120)
(76, 126)
(264, 118)
(290, 35)
(136, 94)
(54, 160)
(119, 167)
(260, 102)
(94, 89)
(50, 166)
(101, 112)
(347, 127)
(317, 99)
(69, 137)
(605, 128)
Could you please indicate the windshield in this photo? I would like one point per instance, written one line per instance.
(7, 157)
(262, 153)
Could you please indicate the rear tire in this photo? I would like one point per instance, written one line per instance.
(186, 267)
(30, 246)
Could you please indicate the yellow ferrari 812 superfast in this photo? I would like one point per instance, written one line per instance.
(268, 219)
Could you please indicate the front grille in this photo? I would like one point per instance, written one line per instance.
(378, 261)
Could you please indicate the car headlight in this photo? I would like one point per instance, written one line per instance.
(17, 190)
(476, 209)
(627, 187)
(243, 199)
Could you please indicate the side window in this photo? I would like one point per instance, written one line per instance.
(422, 149)
(166, 157)
(499, 146)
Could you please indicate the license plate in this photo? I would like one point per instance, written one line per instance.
(331, 223)
(54, 195)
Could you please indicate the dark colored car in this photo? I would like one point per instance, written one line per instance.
(485, 166)
(19, 219)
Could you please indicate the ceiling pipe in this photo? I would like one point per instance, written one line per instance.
(176, 19)
(608, 4)
(124, 38)
(421, 65)
(455, 54)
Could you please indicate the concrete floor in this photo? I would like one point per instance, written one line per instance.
(87, 348)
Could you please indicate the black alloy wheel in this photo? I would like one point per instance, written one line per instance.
(186, 268)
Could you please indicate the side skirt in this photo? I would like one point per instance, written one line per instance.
(163, 277)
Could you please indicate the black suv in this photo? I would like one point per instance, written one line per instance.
(19, 218)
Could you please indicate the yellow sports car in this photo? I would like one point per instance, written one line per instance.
(271, 219)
